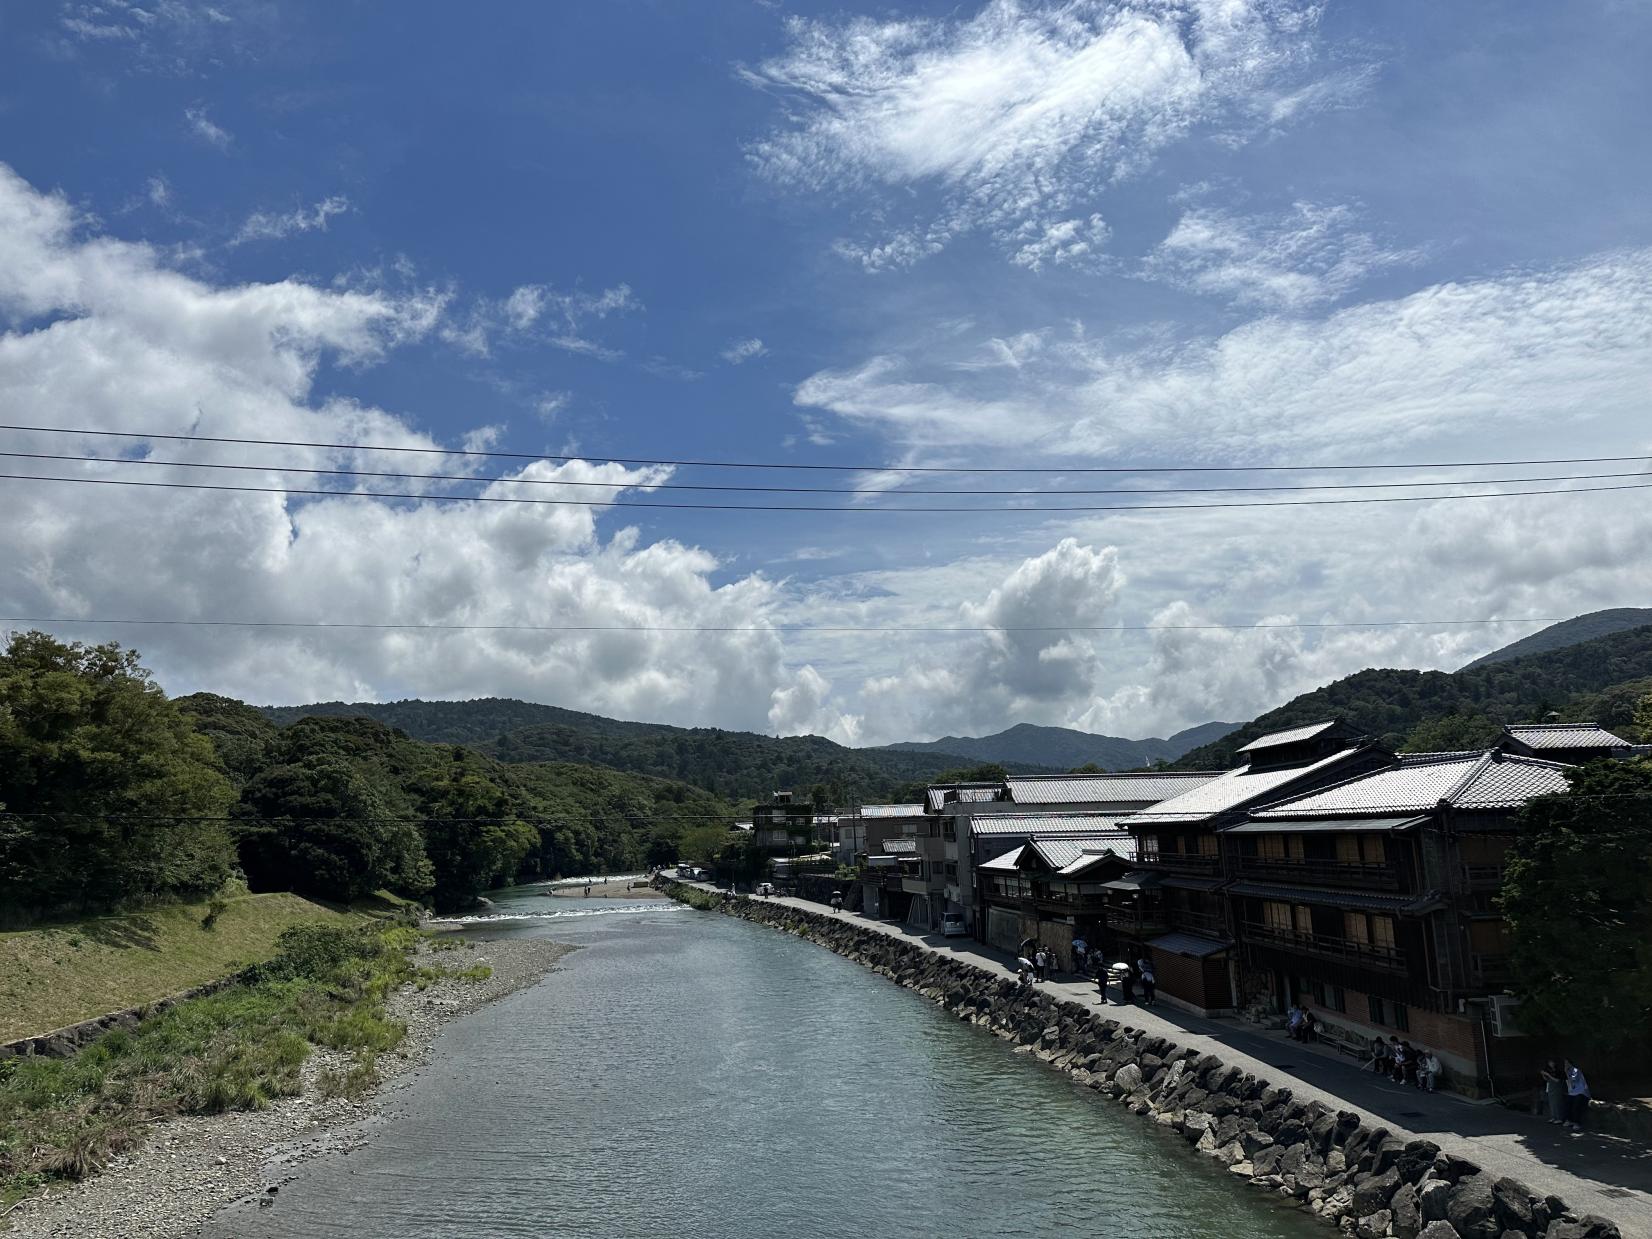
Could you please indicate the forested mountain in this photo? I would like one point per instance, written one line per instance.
(1569, 632)
(732, 764)
(1595, 675)
(1065, 748)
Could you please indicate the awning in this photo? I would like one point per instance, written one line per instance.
(1009, 862)
(1326, 825)
(1179, 882)
(1190, 945)
(1140, 880)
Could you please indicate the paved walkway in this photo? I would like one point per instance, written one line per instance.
(1593, 1174)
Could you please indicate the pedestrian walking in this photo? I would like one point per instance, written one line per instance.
(1149, 983)
(1554, 1090)
(1127, 984)
(1041, 962)
(1577, 1096)
(1101, 983)
(1081, 954)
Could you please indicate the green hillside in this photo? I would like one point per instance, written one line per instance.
(1065, 748)
(1568, 632)
(1389, 704)
(734, 765)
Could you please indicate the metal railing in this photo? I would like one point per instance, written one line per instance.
(1365, 954)
(1193, 862)
(1316, 870)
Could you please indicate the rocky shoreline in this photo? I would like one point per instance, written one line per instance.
(191, 1168)
(1363, 1180)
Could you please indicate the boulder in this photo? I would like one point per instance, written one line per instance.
(1375, 1192)
(1450, 1167)
(1513, 1202)
(1432, 1197)
(1373, 1226)
(1255, 1141)
(1267, 1161)
(1407, 1212)
(1586, 1227)
(1471, 1208)
(1415, 1159)
(1128, 1077)
(1437, 1230)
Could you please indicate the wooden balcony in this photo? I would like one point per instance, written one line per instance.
(1345, 950)
(1199, 863)
(1138, 922)
(1302, 871)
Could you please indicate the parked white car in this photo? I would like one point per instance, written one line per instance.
(765, 888)
(952, 925)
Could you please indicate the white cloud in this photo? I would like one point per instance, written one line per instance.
(159, 191)
(104, 334)
(741, 351)
(1017, 115)
(537, 313)
(1067, 242)
(1567, 347)
(268, 226)
(204, 128)
(803, 708)
(1310, 255)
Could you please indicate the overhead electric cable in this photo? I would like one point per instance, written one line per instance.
(845, 468)
(1263, 625)
(776, 507)
(491, 479)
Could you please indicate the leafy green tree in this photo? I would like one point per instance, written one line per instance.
(472, 834)
(1643, 718)
(112, 791)
(320, 827)
(1450, 733)
(1577, 895)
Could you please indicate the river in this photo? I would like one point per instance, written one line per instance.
(692, 1074)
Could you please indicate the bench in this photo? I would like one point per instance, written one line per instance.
(1344, 1040)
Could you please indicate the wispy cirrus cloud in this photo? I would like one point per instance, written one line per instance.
(1311, 254)
(206, 129)
(1013, 119)
(538, 313)
(273, 226)
(739, 352)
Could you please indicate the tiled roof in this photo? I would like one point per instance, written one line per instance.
(1265, 825)
(1189, 944)
(1565, 736)
(1293, 735)
(1008, 862)
(1123, 789)
(1102, 825)
(1135, 880)
(1365, 901)
(1088, 859)
(891, 810)
(966, 793)
(1061, 852)
(1232, 790)
(1421, 781)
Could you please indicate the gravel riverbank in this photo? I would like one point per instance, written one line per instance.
(190, 1168)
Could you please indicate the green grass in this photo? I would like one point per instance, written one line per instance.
(62, 974)
(239, 1049)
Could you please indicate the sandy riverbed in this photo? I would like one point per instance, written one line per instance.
(639, 889)
(190, 1168)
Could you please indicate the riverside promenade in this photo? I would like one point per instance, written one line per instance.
(1594, 1174)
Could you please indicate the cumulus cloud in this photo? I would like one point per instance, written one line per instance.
(804, 708)
(741, 351)
(273, 226)
(103, 334)
(1017, 114)
(1067, 242)
(1312, 254)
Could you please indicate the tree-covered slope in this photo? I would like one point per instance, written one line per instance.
(1389, 704)
(1065, 748)
(731, 764)
(1578, 629)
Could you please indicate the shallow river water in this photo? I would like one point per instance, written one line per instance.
(691, 1074)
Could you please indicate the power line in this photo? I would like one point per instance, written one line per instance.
(492, 479)
(869, 468)
(771, 507)
(803, 628)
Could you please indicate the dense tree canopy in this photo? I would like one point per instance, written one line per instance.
(1577, 896)
(104, 781)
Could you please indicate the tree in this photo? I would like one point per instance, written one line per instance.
(472, 834)
(1577, 896)
(114, 796)
(1451, 733)
(1643, 718)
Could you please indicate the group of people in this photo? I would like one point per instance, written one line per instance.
(1129, 976)
(1301, 1024)
(1034, 965)
(1403, 1063)
(1565, 1093)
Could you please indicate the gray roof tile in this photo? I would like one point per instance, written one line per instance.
(1124, 789)
(1420, 782)
(1231, 790)
(1292, 735)
(1565, 736)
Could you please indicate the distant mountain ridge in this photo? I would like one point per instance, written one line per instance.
(1388, 704)
(736, 765)
(1574, 631)
(1066, 748)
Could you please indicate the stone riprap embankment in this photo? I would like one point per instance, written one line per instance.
(1360, 1178)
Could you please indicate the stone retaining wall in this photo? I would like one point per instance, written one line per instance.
(1364, 1180)
(63, 1042)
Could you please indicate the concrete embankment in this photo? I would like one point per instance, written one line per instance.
(1360, 1178)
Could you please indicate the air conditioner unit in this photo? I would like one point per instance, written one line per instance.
(1503, 1012)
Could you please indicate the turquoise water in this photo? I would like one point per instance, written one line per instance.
(691, 1074)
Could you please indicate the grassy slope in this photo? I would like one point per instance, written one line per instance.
(69, 972)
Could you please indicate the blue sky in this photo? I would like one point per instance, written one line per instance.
(1214, 232)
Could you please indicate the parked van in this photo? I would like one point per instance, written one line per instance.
(952, 925)
(765, 888)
